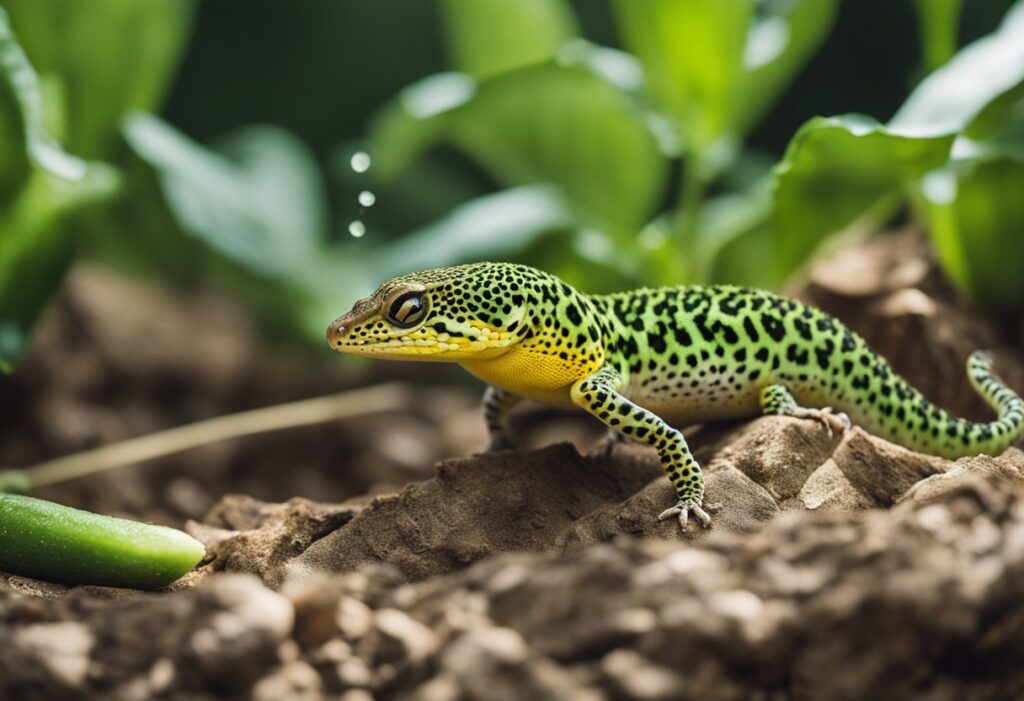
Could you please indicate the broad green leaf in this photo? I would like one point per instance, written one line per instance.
(556, 123)
(567, 126)
(258, 201)
(834, 170)
(40, 186)
(692, 53)
(108, 57)
(415, 121)
(494, 36)
(976, 219)
(949, 99)
(781, 41)
(940, 23)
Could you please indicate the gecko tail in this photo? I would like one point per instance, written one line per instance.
(996, 436)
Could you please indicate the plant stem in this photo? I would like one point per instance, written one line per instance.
(358, 402)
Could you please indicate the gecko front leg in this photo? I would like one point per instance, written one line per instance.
(599, 395)
(497, 404)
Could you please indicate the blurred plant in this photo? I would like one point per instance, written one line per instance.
(40, 187)
(603, 126)
(609, 167)
(954, 149)
(249, 213)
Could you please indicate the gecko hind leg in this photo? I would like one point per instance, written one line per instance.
(497, 404)
(598, 394)
(778, 401)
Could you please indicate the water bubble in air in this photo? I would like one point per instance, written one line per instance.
(357, 228)
(367, 198)
(360, 161)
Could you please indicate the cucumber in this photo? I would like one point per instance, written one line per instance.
(56, 543)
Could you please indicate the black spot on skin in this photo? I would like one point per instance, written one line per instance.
(748, 326)
(573, 314)
(773, 327)
(700, 321)
(822, 356)
(794, 355)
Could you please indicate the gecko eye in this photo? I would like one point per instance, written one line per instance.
(407, 310)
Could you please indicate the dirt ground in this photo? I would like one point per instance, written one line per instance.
(383, 558)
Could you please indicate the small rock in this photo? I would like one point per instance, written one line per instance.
(634, 677)
(63, 648)
(400, 637)
(296, 681)
(353, 618)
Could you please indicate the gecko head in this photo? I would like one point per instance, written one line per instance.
(467, 312)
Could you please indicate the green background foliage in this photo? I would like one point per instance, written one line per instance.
(615, 143)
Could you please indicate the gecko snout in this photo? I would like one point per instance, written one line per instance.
(336, 332)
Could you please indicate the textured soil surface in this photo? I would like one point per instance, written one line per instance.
(343, 563)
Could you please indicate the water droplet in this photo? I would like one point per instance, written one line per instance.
(367, 198)
(360, 161)
(357, 228)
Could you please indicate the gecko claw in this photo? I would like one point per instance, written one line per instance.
(683, 510)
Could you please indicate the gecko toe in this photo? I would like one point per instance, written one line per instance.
(682, 512)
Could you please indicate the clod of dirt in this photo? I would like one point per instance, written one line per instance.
(530, 501)
(242, 534)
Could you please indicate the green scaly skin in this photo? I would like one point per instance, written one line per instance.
(647, 360)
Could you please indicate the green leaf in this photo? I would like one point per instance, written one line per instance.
(415, 121)
(258, 202)
(834, 170)
(108, 57)
(488, 38)
(976, 216)
(940, 24)
(559, 124)
(566, 126)
(692, 53)
(837, 169)
(40, 187)
(781, 41)
(949, 99)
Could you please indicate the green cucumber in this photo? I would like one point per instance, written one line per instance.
(56, 543)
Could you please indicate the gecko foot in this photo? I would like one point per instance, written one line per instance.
(683, 510)
(828, 418)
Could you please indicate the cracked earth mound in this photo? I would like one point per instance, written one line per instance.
(837, 567)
